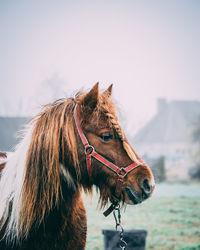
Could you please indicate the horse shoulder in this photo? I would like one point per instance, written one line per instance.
(64, 228)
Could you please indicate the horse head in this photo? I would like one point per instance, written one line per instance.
(113, 166)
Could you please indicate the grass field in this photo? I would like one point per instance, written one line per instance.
(171, 216)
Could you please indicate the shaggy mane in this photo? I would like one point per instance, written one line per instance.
(52, 128)
(33, 170)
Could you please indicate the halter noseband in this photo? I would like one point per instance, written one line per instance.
(120, 172)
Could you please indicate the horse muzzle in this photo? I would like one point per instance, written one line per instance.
(136, 197)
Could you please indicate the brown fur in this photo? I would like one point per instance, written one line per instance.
(53, 128)
(55, 141)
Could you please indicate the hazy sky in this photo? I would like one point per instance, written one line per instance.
(148, 49)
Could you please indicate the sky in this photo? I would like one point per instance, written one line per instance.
(147, 49)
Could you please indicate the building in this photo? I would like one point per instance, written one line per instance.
(9, 129)
(168, 134)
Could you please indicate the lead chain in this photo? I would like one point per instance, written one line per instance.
(117, 216)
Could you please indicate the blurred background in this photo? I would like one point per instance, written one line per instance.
(150, 51)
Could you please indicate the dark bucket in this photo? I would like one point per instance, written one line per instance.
(135, 239)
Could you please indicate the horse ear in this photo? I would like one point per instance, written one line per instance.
(91, 98)
(108, 91)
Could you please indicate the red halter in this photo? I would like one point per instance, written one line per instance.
(120, 172)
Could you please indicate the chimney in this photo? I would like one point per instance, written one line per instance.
(161, 104)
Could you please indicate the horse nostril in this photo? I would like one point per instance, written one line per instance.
(146, 186)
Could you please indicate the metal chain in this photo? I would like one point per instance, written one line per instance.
(117, 217)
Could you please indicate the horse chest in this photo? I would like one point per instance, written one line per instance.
(63, 229)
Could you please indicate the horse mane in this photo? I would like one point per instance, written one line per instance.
(36, 177)
(53, 127)
(30, 183)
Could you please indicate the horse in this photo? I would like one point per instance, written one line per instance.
(71, 146)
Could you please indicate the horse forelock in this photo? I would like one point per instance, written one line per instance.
(109, 110)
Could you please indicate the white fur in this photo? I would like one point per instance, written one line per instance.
(11, 184)
(65, 172)
(3, 160)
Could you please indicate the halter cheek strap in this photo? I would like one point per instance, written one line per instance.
(120, 172)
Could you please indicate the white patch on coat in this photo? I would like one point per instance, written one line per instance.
(67, 176)
(11, 185)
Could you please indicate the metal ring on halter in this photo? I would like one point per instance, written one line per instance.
(119, 227)
(89, 150)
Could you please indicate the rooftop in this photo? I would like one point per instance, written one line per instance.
(9, 128)
(171, 124)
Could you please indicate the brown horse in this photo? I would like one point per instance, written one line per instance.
(71, 145)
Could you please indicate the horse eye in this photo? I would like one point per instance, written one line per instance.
(106, 136)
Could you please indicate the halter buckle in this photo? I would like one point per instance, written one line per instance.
(123, 172)
(89, 150)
